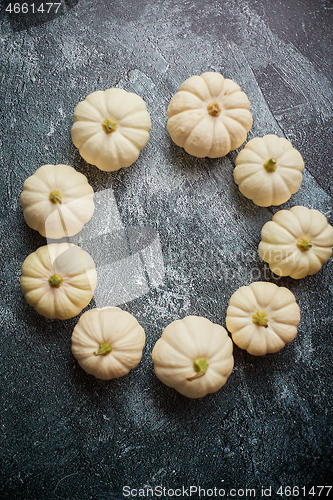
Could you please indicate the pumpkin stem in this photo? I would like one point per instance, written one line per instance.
(304, 244)
(270, 165)
(214, 109)
(55, 281)
(109, 126)
(200, 365)
(55, 196)
(103, 350)
(260, 318)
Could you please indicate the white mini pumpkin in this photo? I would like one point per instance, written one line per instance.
(58, 280)
(262, 317)
(110, 128)
(194, 356)
(209, 115)
(108, 342)
(57, 201)
(296, 242)
(268, 170)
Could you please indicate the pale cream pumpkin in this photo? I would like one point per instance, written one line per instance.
(296, 242)
(262, 317)
(110, 128)
(108, 342)
(57, 201)
(268, 170)
(194, 356)
(209, 115)
(58, 280)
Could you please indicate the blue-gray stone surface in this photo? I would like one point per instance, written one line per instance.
(171, 236)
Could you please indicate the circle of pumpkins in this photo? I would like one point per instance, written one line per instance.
(209, 116)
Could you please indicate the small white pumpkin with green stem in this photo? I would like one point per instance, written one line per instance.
(194, 356)
(110, 128)
(57, 201)
(262, 317)
(108, 342)
(58, 280)
(296, 242)
(209, 116)
(268, 170)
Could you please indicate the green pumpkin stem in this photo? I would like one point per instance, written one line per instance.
(109, 126)
(200, 365)
(214, 109)
(270, 165)
(55, 196)
(304, 244)
(103, 350)
(55, 281)
(260, 318)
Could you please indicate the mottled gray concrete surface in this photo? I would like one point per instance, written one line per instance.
(66, 435)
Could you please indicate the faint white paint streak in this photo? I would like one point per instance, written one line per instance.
(62, 113)
(246, 393)
(74, 52)
(157, 475)
(64, 478)
(248, 399)
(51, 131)
(287, 395)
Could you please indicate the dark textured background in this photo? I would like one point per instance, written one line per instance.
(66, 435)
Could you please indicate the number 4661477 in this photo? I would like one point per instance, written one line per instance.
(25, 8)
(311, 492)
